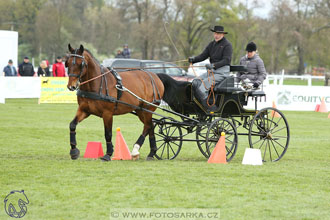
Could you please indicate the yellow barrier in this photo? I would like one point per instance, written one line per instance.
(54, 90)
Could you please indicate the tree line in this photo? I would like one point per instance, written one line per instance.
(293, 36)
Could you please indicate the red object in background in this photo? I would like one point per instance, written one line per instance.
(58, 70)
(93, 150)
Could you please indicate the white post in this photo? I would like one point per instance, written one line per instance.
(282, 78)
(309, 80)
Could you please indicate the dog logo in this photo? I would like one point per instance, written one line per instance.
(15, 204)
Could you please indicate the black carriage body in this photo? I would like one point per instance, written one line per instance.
(264, 130)
(227, 100)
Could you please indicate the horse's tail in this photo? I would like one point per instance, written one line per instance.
(175, 92)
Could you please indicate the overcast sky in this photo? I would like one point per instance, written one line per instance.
(263, 9)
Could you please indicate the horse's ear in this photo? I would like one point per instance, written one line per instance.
(70, 48)
(81, 49)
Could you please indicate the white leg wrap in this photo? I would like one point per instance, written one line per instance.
(135, 150)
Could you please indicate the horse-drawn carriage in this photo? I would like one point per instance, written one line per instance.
(100, 94)
(267, 129)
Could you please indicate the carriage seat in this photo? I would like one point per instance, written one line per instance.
(227, 85)
(238, 68)
(257, 93)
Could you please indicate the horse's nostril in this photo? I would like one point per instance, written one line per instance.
(71, 88)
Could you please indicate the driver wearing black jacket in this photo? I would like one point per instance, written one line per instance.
(219, 51)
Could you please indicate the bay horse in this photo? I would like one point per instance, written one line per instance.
(97, 94)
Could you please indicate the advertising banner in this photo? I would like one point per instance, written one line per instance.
(54, 90)
(21, 87)
(2, 90)
(297, 98)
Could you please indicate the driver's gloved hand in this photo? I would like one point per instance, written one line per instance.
(209, 66)
(191, 59)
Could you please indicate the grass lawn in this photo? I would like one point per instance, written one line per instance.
(34, 156)
(299, 82)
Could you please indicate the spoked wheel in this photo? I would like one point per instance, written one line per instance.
(168, 140)
(214, 133)
(201, 132)
(269, 132)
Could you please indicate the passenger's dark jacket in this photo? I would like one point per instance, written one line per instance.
(26, 69)
(220, 53)
(8, 71)
(126, 53)
(43, 72)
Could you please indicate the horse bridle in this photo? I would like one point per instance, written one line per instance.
(83, 64)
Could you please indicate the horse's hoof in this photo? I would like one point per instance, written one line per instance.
(106, 158)
(136, 157)
(150, 158)
(74, 153)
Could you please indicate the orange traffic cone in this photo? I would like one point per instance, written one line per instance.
(274, 114)
(121, 149)
(93, 150)
(323, 107)
(219, 153)
(317, 107)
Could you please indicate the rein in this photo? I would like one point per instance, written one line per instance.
(154, 67)
(106, 97)
(83, 64)
(209, 72)
(87, 81)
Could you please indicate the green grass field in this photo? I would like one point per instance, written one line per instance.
(34, 156)
(299, 82)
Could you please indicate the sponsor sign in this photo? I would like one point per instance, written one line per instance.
(54, 90)
(21, 87)
(297, 98)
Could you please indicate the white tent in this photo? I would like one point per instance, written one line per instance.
(8, 48)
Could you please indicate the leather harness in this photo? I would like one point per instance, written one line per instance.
(119, 86)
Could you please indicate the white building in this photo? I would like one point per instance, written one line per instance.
(8, 48)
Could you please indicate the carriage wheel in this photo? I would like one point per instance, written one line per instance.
(214, 133)
(201, 132)
(168, 140)
(269, 132)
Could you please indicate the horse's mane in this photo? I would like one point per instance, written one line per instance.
(176, 93)
(90, 53)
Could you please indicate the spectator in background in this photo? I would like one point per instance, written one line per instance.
(126, 51)
(26, 68)
(43, 69)
(58, 68)
(119, 54)
(10, 70)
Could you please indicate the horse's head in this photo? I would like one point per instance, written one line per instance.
(76, 64)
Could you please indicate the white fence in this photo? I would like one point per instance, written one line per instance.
(278, 79)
